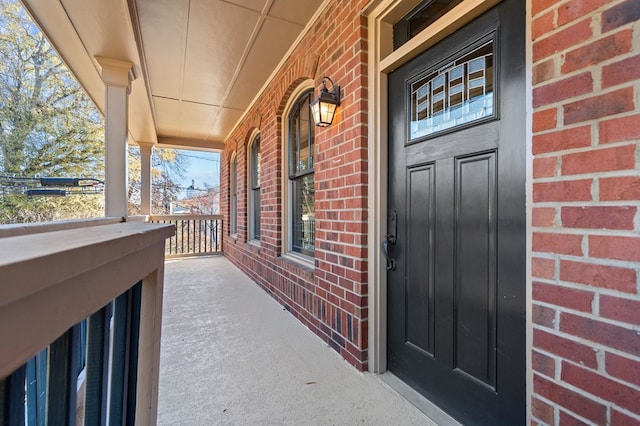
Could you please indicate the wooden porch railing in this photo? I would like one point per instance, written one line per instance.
(195, 234)
(80, 321)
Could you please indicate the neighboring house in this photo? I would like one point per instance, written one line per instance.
(198, 201)
(468, 221)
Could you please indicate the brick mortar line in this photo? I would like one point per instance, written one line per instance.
(595, 126)
(558, 58)
(588, 95)
(603, 374)
(591, 203)
(604, 320)
(557, 407)
(595, 16)
(585, 393)
(590, 232)
(614, 263)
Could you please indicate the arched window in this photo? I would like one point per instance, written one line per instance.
(254, 188)
(233, 193)
(301, 177)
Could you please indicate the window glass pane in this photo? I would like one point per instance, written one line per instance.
(422, 16)
(255, 189)
(304, 214)
(256, 214)
(233, 168)
(301, 137)
(458, 93)
(428, 14)
(303, 160)
(294, 144)
(255, 163)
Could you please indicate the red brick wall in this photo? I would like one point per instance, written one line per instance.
(331, 299)
(586, 192)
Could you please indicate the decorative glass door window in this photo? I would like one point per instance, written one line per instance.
(460, 92)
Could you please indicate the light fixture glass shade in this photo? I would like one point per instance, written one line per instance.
(323, 110)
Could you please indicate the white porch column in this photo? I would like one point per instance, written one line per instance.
(145, 177)
(116, 76)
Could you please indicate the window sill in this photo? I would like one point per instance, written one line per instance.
(298, 259)
(254, 244)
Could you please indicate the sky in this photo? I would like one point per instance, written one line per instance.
(204, 167)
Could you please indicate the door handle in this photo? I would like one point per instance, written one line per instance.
(391, 262)
(391, 239)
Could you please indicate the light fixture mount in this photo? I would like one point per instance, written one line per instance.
(323, 108)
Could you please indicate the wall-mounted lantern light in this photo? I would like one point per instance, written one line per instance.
(323, 108)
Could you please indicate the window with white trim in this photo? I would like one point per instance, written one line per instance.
(254, 188)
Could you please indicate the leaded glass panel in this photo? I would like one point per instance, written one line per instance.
(460, 92)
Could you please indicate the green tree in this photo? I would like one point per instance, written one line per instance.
(48, 125)
(168, 167)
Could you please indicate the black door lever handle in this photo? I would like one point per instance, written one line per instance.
(391, 262)
(391, 239)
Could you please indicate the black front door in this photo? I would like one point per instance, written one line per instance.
(456, 298)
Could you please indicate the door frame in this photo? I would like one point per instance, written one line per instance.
(381, 15)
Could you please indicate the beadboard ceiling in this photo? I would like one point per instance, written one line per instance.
(199, 63)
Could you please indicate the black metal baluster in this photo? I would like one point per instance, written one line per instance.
(216, 234)
(205, 233)
(63, 378)
(134, 334)
(97, 367)
(197, 231)
(175, 237)
(12, 398)
(218, 231)
(188, 223)
(126, 333)
(182, 237)
(119, 358)
(36, 389)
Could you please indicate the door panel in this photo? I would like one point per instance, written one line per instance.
(456, 301)
(475, 266)
(420, 206)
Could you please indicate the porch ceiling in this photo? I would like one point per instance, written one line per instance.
(200, 63)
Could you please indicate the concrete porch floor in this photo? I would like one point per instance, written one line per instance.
(231, 355)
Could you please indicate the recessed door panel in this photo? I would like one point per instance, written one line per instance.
(475, 266)
(420, 267)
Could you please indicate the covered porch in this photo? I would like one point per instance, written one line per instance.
(260, 367)
(230, 75)
(211, 365)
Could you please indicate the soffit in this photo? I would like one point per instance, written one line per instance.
(200, 63)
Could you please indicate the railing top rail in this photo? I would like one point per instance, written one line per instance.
(53, 280)
(17, 229)
(158, 217)
(30, 263)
